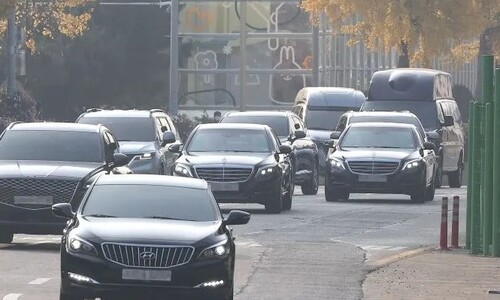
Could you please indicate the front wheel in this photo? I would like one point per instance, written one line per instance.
(287, 200)
(6, 237)
(431, 192)
(419, 195)
(439, 175)
(69, 296)
(311, 186)
(332, 195)
(274, 205)
(455, 178)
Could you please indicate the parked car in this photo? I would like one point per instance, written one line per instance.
(381, 158)
(46, 163)
(144, 135)
(320, 109)
(244, 163)
(291, 131)
(143, 235)
(427, 94)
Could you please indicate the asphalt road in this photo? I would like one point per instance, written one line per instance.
(318, 250)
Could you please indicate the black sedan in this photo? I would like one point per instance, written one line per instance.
(147, 236)
(244, 163)
(386, 158)
(291, 131)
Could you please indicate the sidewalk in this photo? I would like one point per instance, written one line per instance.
(436, 274)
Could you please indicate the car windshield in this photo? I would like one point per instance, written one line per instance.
(51, 146)
(390, 119)
(425, 110)
(323, 119)
(229, 140)
(378, 137)
(125, 129)
(150, 201)
(278, 123)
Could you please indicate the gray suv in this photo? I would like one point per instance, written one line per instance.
(144, 136)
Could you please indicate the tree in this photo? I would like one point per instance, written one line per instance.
(419, 29)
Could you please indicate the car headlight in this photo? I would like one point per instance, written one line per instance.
(148, 155)
(266, 170)
(336, 163)
(412, 164)
(219, 250)
(183, 170)
(77, 245)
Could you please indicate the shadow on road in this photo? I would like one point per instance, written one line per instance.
(37, 247)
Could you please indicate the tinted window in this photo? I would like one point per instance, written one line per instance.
(425, 111)
(389, 119)
(323, 119)
(51, 146)
(278, 123)
(233, 140)
(143, 201)
(125, 129)
(379, 137)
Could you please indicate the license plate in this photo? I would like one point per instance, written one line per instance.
(224, 187)
(147, 275)
(33, 200)
(372, 178)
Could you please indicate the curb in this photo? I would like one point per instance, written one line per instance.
(398, 257)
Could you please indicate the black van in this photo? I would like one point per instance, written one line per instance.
(320, 108)
(428, 94)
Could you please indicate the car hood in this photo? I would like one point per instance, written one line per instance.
(148, 231)
(320, 135)
(46, 169)
(227, 158)
(136, 147)
(374, 154)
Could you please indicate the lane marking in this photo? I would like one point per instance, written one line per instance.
(40, 281)
(12, 296)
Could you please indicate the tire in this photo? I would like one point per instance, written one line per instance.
(287, 200)
(419, 196)
(455, 178)
(335, 196)
(275, 204)
(311, 187)
(6, 237)
(439, 174)
(431, 192)
(67, 296)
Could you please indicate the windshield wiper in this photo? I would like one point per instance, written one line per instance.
(100, 216)
(166, 218)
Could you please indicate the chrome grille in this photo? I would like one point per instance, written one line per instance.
(224, 174)
(61, 190)
(164, 256)
(373, 167)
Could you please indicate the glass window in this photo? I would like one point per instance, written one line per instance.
(342, 124)
(51, 146)
(278, 123)
(323, 119)
(229, 140)
(379, 137)
(151, 201)
(125, 129)
(390, 119)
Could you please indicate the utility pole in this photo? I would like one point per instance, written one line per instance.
(173, 101)
(12, 55)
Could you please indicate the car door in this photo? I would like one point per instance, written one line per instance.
(428, 157)
(305, 149)
(284, 159)
(458, 131)
(449, 138)
(168, 157)
(111, 147)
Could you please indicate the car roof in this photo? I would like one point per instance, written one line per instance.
(383, 124)
(260, 113)
(121, 113)
(233, 126)
(56, 126)
(158, 180)
(381, 113)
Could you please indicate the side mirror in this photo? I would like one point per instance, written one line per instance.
(175, 148)
(429, 146)
(284, 149)
(448, 121)
(299, 134)
(237, 217)
(329, 143)
(335, 135)
(63, 210)
(433, 135)
(168, 138)
(120, 159)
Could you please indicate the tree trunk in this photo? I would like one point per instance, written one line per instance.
(403, 59)
(11, 53)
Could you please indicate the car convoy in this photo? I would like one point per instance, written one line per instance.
(124, 229)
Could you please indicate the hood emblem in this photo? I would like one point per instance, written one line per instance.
(146, 255)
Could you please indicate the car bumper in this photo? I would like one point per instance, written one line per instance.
(19, 220)
(256, 190)
(107, 279)
(401, 182)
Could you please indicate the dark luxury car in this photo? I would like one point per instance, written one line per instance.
(142, 236)
(244, 163)
(291, 131)
(46, 163)
(144, 136)
(381, 158)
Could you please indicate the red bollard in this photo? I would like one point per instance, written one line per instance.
(443, 243)
(454, 222)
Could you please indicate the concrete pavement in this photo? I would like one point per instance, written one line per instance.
(452, 274)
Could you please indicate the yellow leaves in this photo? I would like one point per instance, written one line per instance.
(71, 25)
(465, 51)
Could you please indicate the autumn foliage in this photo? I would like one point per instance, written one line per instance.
(429, 28)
